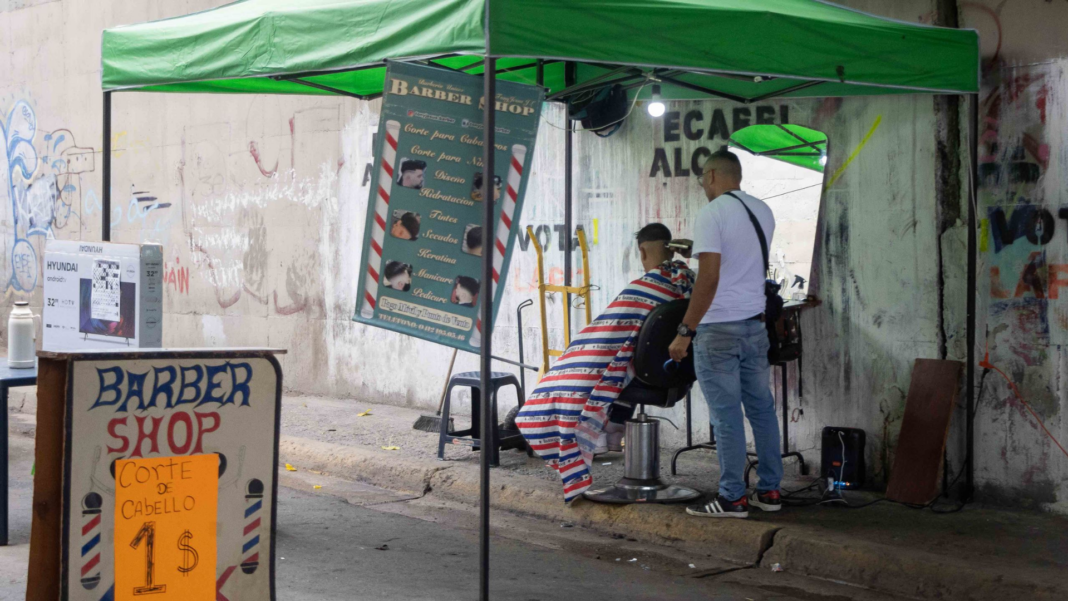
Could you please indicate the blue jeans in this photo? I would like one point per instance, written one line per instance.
(731, 360)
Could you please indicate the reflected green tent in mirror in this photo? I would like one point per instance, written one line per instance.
(793, 144)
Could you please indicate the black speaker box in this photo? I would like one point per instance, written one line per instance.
(842, 457)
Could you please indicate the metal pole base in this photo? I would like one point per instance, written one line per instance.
(628, 491)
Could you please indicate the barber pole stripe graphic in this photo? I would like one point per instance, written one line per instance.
(251, 537)
(378, 229)
(504, 224)
(90, 561)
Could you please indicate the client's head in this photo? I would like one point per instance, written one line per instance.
(652, 245)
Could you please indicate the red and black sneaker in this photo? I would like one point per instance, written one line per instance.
(718, 507)
(768, 501)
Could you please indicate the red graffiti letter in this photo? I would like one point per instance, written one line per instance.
(1057, 279)
(996, 289)
(1030, 280)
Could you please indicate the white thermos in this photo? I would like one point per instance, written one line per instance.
(21, 337)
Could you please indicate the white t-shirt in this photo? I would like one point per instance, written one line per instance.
(723, 227)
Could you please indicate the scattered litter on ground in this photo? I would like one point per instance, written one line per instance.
(618, 536)
(567, 525)
(364, 414)
(317, 487)
(632, 560)
(390, 448)
(290, 468)
(693, 567)
(382, 548)
(332, 430)
(607, 463)
(776, 567)
(618, 558)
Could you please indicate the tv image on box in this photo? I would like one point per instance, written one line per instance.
(124, 327)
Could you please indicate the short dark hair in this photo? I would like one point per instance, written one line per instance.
(412, 165)
(474, 238)
(654, 232)
(476, 182)
(468, 283)
(410, 221)
(724, 155)
(395, 268)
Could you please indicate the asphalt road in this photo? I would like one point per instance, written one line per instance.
(347, 541)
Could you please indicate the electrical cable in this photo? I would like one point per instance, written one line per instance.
(792, 191)
(986, 364)
(790, 501)
(633, 103)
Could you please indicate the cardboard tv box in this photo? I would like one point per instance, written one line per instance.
(100, 295)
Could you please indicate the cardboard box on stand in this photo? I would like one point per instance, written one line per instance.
(100, 295)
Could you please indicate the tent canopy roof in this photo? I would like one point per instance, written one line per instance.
(793, 144)
(744, 50)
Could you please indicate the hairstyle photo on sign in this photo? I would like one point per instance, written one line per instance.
(472, 243)
(465, 291)
(398, 276)
(412, 172)
(476, 187)
(405, 225)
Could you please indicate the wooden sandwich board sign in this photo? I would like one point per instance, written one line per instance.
(156, 475)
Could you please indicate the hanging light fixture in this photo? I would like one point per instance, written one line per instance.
(656, 106)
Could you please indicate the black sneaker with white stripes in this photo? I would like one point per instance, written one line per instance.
(718, 507)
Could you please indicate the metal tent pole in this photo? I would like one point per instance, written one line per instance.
(569, 160)
(105, 217)
(973, 200)
(486, 360)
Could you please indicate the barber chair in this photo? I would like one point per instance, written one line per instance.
(658, 382)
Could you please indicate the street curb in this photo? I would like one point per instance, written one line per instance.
(742, 542)
(391, 472)
(909, 572)
(829, 555)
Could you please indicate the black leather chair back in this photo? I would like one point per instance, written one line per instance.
(651, 352)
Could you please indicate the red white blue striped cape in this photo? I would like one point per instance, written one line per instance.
(563, 418)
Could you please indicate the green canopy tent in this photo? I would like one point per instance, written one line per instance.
(790, 143)
(741, 50)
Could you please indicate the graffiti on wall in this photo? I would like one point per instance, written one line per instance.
(41, 177)
(1024, 230)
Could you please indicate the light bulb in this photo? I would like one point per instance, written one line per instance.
(656, 108)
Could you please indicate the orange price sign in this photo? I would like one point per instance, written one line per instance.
(165, 528)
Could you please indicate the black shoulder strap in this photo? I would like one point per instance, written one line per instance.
(759, 232)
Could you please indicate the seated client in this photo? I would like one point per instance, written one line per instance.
(565, 416)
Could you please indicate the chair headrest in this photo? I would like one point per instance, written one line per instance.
(651, 352)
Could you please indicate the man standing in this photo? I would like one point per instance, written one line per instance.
(731, 345)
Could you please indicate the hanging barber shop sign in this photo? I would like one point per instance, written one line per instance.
(167, 465)
(423, 242)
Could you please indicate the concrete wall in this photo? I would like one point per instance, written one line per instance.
(260, 200)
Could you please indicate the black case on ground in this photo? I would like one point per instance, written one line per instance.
(849, 474)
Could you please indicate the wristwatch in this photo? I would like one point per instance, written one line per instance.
(685, 331)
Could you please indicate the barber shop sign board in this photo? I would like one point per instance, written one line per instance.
(422, 253)
(156, 476)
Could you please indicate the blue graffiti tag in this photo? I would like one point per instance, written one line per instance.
(16, 135)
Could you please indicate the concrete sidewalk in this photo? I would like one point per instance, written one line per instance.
(978, 553)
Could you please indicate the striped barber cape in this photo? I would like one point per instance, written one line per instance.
(563, 418)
